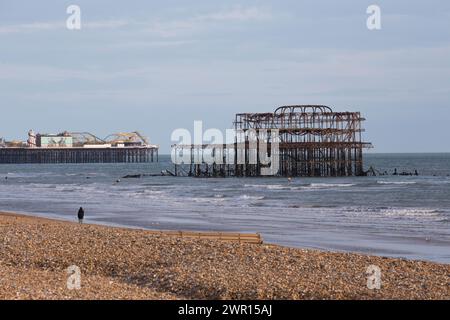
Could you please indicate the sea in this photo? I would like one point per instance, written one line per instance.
(386, 215)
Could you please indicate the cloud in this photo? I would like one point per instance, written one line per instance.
(107, 24)
(339, 75)
(157, 27)
(61, 25)
(147, 44)
(237, 13)
(46, 73)
(199, 22)
(30, 27)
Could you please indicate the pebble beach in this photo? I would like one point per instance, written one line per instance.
(120, 263)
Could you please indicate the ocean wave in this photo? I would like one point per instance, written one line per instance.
(411, 212)
(248, 197)
(397, 182)
(395, 212)
(300, 187)
(329, 185)
(224, 189)
(208, 200)
(146, 191)
(268, 186)
(31, 174)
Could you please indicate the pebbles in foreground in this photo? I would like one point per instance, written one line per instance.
(117, 263)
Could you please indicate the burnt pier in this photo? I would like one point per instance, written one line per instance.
(311, 141)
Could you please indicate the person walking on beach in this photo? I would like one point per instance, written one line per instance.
(80, 215)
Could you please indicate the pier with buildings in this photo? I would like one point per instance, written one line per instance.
(79, 147)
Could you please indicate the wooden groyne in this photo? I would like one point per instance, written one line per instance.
(78, 155)
(223, 236)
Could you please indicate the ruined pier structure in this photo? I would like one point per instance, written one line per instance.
(312, 141)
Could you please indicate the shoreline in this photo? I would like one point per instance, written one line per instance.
(61, 218)
(130, 263)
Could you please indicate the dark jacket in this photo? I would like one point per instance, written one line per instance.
(81, 213)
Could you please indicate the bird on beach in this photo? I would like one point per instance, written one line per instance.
(80, 215)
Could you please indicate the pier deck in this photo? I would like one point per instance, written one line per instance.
(78, 155)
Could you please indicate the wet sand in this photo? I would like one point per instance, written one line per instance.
(119, 263)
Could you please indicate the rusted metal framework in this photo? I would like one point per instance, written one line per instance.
(313, 141)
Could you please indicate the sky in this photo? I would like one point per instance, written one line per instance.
(155, 66)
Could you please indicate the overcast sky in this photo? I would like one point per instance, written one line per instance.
(157, 66)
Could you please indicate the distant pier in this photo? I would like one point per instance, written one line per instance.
(79, 147)
(79, 155)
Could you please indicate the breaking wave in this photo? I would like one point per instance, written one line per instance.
(330, 185)
(397, 182)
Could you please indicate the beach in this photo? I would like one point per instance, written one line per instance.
(122, 263)
(391, 216)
